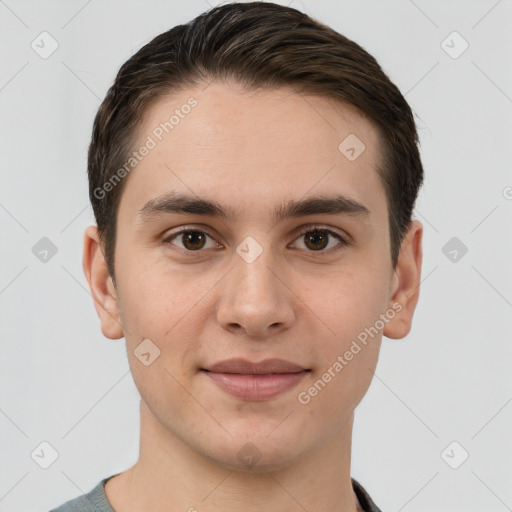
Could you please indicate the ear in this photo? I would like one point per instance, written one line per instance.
(405, 288)
(101, 285)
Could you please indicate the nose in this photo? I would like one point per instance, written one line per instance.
(256, 300)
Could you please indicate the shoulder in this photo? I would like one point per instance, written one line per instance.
(93, 501)
(367, 504)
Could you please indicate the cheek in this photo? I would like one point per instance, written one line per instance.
(168, 308)
(156, 297)
(350, 308)
(347, 303)
(346, 365)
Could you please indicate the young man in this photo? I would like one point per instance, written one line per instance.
(253, 175)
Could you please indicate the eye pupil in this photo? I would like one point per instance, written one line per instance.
(317, 237)
(193, 240)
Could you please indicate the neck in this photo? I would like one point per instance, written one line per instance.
(169, 472)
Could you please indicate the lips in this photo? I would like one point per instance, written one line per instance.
(255, 381)
(265, 367)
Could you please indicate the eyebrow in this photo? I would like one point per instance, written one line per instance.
(184, 204)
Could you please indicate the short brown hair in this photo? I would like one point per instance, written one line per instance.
(257, 44)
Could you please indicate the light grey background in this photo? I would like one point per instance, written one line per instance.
(63, 383)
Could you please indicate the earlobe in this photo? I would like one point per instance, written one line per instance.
(100, 283)
(406, 283)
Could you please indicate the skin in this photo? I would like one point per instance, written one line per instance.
(292, 302)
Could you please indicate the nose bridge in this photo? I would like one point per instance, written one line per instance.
(253, 262)
(255, 298)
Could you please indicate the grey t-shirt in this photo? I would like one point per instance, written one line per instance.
(96, 500)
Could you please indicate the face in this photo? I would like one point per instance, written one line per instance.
(254, 278)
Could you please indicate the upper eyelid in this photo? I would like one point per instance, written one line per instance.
(186, 229)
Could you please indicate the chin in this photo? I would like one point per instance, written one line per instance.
(261, 466)
(258, 453)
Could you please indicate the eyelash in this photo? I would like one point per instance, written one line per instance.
(309, 229)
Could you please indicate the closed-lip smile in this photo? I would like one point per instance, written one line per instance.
(255, 381)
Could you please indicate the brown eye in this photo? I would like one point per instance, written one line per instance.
(318, 239)
(190, 240)
(193, 240)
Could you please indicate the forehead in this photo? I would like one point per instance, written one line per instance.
(253, 149)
